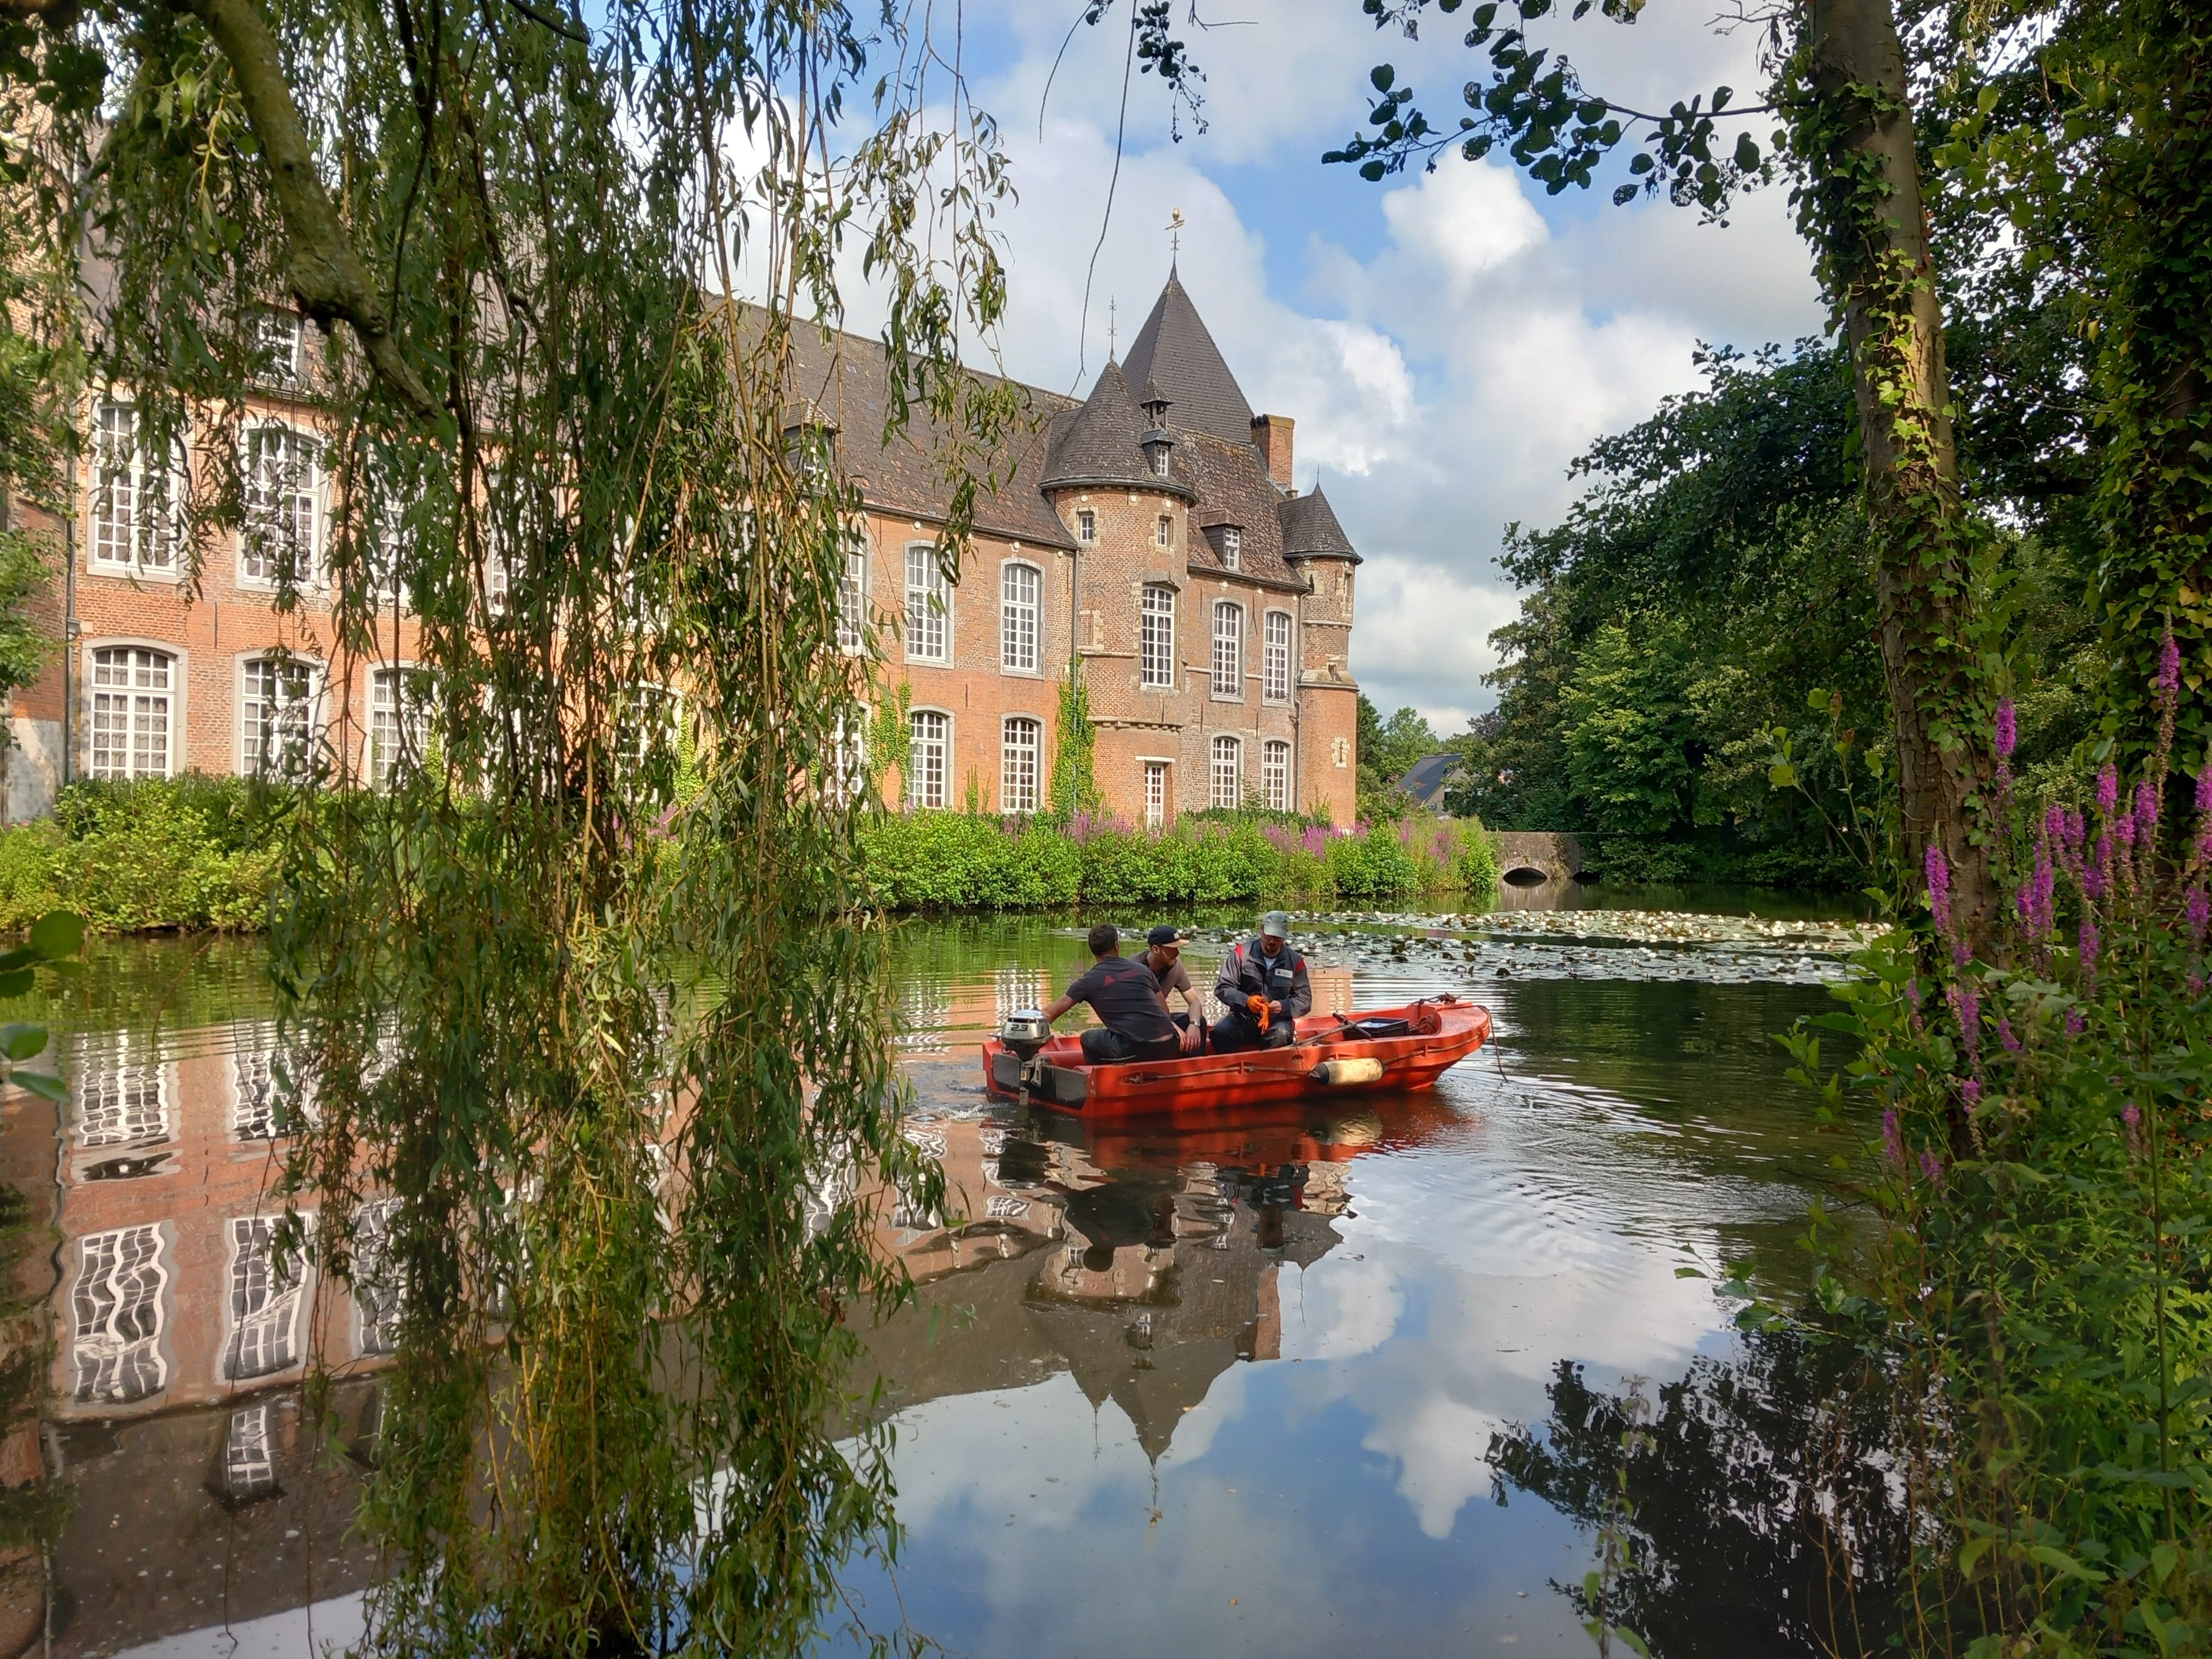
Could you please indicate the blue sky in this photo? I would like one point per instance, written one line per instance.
(1445, 343)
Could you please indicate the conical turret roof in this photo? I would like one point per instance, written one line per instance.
(1174, 350)
(1310, 530)
(1099, 445)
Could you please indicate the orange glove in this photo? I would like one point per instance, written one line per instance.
(1258, 1005)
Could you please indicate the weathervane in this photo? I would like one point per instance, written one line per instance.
(1174, 237)
(1109, 330)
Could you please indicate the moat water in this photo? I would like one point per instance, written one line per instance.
(1320, 1381)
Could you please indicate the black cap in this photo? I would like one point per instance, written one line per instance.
(1167, 934)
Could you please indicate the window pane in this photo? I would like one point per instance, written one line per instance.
(1275, 775)
(398, 722)
(1017, 612)
(116, 1312)
(130, 713)
(1156, 794)
(1275, 682)
(927, 760)
(276, 717)
(264, 1302)
(1017, 766)
(281, 496)
(1228, 650)
(1228, 773)
(928, 607)
(1156, 643)
(853, 603)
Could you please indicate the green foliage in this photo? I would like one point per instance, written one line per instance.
(946, 860)
(1387, 751)
(1074, 784)
(192, 852)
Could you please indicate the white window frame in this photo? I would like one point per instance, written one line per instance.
(853, 599)
(1156, 640)
(1232, 547)
(1228, 660)
(1276, 773)
(928, 786)
(848, 756)
(294, 489)
(263, 1302)
(131, 702)
(249, 1467)
(392, 723)
(119, 1316)
(1086, 527)
(255, 1090)
(1021, 763)
(928, 607)
(123, 539)
(1163, 531)
(377, 1298)
(1158, 788)
(1159, 460)
(301, 713)
(122, 1097)
(282, 336)
(1021, 626)
(1275, 658)
(1225, 781)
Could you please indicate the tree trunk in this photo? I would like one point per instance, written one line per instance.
(1863, 209)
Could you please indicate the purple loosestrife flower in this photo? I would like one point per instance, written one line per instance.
(1893, 1143)
(1912, 991)
(2195, 910)
(2131, 1115)
(2108, 789)
(2168, 681)
(2008, 731)
(2204, 788)
(2146, 813)
(2124, 828)
(1931, 1168)
(1970, 1090)
(2007, 1037)
(1939, 888)
(1967, 1007)
(2086, 949)
(2075, 1024)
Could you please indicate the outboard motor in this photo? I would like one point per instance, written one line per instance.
(1024, 1035)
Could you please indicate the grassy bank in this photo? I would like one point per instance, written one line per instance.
(959, 861)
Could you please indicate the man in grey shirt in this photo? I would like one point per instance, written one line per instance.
(1164, 956)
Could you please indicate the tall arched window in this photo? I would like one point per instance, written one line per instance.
(1275, 775)
(137, 506)
(283, 506)
(1020, 749)
(277, 724)
(1228, 649)
(1275, 659)
(1155, 636)
(1228, 775)
(929, 758)
(928, 607)
(130, 712)
(853, 600)
(1019, 588)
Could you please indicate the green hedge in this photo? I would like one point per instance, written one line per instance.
(947, 860)
(188, 853)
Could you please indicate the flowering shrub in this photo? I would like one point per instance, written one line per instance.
(2045, 1271)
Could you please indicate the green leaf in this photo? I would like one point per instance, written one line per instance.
(2058, 1561)
(22, 1039)
(1747, 152)
(1782, 775)
(1690, 1273)
(46, 1087)
(16, 984)
(1972, 1551)
(1382, 75)
(58, 933)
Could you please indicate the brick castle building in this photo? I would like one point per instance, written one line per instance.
(1150, 537)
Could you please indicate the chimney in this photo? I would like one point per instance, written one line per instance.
(1271, 436)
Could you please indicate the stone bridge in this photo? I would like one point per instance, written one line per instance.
(1536, 858)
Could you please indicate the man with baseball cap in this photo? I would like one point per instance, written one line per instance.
(1133, 1023)
(1164, 956)
(1263, 985)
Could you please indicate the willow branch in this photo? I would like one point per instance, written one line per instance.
(326, 274)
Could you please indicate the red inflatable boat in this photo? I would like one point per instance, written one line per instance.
(1403, 1048)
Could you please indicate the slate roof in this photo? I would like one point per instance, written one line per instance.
(1425, 779)
(1233, 488)
(902, 477)
(1098, 444)
(1173, 349)
(1311, 529)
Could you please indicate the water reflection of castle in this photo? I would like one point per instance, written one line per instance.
(1143, 1264)
(173, 1288)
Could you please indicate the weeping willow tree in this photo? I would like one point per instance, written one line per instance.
(589, 1028)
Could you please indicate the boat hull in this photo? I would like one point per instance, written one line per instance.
(1330, 1057)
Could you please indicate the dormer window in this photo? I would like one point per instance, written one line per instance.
(277, 341)
(1232, 547)
(1159, 460)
